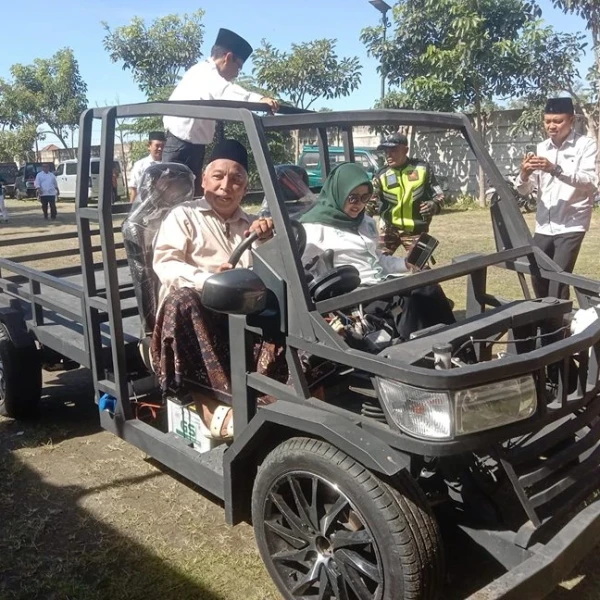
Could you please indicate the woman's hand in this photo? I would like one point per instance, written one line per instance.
(412, 268)
(263, 227)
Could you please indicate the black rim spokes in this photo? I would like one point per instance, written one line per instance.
(318, 542)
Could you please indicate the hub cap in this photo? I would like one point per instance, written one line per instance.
(319, 543)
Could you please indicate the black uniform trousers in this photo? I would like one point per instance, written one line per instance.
(186, 153)
(563, 249)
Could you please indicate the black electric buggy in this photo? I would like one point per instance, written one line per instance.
(348, 494)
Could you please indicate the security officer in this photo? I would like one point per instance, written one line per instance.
(408, 196)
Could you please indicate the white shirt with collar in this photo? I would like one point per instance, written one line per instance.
(357, 249)
(46, 183)
(138, 169)
(193, 242)
(564, 202)
(203, 82)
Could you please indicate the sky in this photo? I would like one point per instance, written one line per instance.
(78, 24)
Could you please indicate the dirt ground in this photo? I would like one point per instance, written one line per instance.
(85, 516)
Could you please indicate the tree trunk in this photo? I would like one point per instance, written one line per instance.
(479, 125)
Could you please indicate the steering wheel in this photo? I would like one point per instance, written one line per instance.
(299, 234)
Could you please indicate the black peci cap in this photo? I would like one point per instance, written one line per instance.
(234, 43)
(159, 136)
(231, 150)
(559, 106)
(398, 139)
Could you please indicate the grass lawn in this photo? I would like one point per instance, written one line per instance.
(85, 516)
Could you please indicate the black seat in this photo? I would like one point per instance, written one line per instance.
(163, 186)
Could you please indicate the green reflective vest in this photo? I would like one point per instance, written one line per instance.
(401, 191)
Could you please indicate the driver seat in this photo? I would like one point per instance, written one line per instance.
(162, 187)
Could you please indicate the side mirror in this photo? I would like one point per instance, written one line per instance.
(235, 292)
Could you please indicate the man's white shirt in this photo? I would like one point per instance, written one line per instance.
(203, 82)
(564, 202)
(46, 183)
(138, 169)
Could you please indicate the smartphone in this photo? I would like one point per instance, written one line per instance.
(421, 250)
(530, 150)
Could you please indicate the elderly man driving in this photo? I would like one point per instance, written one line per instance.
(195, 240)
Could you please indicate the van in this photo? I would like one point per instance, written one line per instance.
(368, 158)
(24, 181)
(8, 174)
(66, 176)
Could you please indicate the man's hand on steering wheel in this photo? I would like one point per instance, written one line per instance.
(225, 267)
(263, 228)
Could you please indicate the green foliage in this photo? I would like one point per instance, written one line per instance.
(49, 91)
(16, 145)
(462, 55)
(158, 53)
(308, 72)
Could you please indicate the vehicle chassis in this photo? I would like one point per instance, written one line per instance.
(536, 555)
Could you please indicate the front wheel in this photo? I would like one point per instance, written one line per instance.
(327, 527)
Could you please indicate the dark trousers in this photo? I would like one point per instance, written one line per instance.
(186, 153)
(563, 250)
(48, 201)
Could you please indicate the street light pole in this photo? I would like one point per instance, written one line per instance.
(383, 8)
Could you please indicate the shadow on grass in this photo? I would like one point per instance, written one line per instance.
(52, 549)
(67, 410)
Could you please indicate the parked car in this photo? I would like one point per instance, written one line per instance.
(310, 160)
(66, 174)
(8, 172)
(24, 186)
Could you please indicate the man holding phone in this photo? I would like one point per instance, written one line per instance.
(563, 171)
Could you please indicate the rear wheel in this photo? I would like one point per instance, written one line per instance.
(20, 378)
(327, 528)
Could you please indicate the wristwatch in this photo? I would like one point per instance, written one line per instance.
(557, 171)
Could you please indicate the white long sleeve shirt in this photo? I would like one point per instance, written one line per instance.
(359, 250)
(203, 82)
(46, 183)
(564, 203)
(138, 169)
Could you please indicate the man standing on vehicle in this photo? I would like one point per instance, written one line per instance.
(156, 144)
(209, 80)
(47, 190)
(563, 171)
(407, 193)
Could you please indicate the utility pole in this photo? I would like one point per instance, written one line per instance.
(383, 8)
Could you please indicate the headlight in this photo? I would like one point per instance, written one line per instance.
(442, 415)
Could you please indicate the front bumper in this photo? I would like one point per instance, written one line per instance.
(537, 576)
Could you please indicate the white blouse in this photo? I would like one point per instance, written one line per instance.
(357, 249)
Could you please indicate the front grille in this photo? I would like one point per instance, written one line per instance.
(557, 467)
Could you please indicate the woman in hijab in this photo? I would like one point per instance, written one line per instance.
(338, 222)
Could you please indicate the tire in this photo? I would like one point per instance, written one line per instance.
(327, 527)
(20, 378)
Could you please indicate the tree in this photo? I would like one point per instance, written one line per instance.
(310, 71)
(457, 54)
(157, 54)
(17, 144)
(49, 91)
